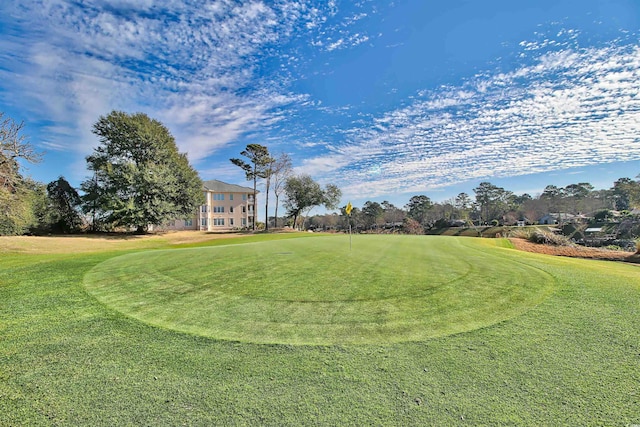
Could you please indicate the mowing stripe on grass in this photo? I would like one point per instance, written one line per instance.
(317, 291)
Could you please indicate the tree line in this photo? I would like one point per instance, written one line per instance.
(138, 179)
(490, 205)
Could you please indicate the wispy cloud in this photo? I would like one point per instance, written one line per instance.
(566, 106)
(201, 68)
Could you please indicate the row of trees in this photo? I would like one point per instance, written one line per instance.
(301, 193)
(491, 205)
(138, 179)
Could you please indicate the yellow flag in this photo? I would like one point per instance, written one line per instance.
(348, 208)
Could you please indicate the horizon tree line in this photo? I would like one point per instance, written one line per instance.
(491, 205)
(139, 179)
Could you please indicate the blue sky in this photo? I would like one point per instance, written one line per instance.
(386, 99)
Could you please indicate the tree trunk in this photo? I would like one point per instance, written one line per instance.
(266, 204)
(255, 205)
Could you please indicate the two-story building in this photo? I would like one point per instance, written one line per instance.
(227, 207)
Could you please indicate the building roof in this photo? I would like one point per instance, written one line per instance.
(222, 187)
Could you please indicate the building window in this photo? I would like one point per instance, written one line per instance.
(230, 196)
(230, 221)
(218, 221)
(203, 208)
(218, 209)
(244, 222)
(188, 222)
(230, 209)
(218, 196)
(203, 222)
(244, 209)
(244, 197)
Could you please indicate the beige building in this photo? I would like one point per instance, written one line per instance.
(227, 207)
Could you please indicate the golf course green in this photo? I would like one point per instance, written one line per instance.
(382, 289)
(296, 329)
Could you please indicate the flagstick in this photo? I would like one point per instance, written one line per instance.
(347, 210)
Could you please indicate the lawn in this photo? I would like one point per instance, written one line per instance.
(320, 291)
(530, 339)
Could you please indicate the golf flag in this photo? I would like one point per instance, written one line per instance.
(348, 208)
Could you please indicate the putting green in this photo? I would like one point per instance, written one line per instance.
(318, 291)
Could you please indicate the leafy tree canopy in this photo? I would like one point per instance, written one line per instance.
(139, 177)
(64, 202)
(259, 166)
(302, 193)
(418, 208)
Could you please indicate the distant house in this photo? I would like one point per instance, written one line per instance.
(561, 218)
(227, 207)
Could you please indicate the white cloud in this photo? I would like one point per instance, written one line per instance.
(196, 67)
(569, 108)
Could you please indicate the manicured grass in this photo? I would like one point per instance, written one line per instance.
(68, 359)
(320, 291)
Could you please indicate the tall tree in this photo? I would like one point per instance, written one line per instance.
(492, 201)
(553, 196)
(576, 193)
(64, 202)
(302, 193)
(463, 205)
(139, 177)
(280, 171)
(258, 167)
(418, 208)
(626, 193)
(19, 196)
(372, 212)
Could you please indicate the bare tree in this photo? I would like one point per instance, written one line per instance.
(281, 169)
(13, 146)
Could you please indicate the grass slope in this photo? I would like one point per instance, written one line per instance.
(66, 359)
